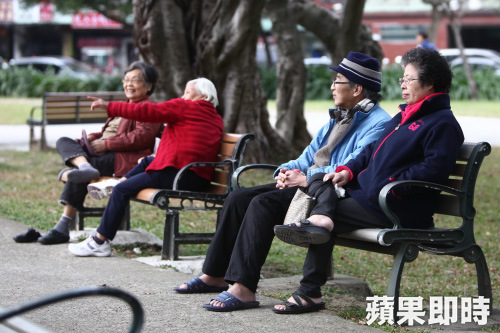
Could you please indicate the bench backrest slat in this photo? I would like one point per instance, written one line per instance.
(64, 108)
(463, 178)
(231, 147)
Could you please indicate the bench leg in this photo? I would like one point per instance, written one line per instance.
(475, 255)
(32, 137)
(78, 222)
(406, 253)
(43, 139)
(125, 225)
(170, 249)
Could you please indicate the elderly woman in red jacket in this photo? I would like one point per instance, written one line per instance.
(193, 133)
(112, 152)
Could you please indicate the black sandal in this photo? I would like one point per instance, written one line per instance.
(292, 308)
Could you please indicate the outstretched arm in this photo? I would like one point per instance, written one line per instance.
(98, 103)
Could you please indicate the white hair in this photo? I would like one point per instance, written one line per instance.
(206, 87)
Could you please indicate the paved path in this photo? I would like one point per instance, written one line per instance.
(30, 271)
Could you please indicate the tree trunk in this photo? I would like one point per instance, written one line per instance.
(217, 39)
(456, 24)
(290, 74)
(339, 34)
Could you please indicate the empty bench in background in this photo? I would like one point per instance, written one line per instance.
(67, 108)
(456, 199)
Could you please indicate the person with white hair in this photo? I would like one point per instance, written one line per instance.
(193, 133)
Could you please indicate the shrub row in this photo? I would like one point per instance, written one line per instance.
(319, 80)
(25, 82)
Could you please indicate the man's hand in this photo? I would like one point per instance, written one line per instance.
(98, 103)
(98, 145)
(289, 178)
(338, 178)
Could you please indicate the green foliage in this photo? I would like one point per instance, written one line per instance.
(28, 82)
(268, 78)
(391, 90)
(486, 82)
(319, 80)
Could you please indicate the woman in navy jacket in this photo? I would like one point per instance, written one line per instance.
(419, 143)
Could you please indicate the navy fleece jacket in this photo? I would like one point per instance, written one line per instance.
(425, 147)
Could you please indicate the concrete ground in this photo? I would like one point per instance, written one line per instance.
(30, 271)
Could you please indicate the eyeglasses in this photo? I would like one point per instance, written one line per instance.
(405, 81)
(133, 81)
(339, 82)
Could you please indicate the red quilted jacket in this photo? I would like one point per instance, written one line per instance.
(133, 140)
(192, 134)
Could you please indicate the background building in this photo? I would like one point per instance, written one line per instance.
(41, 30)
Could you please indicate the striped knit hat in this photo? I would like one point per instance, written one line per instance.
(361, 69)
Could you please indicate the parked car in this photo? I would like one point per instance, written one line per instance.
(452, 54)
(324, 60)
(478, 63)
(60, 65)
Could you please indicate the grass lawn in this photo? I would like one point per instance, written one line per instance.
(29, 193)
(15, 111)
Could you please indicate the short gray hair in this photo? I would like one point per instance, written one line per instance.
(372, 95)
(207, 88)
(149, 73)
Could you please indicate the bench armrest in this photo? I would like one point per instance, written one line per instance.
(31, 119)
(382, 198)
(235, 184)
(227, 163)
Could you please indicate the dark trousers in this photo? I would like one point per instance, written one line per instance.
(74, 194)
(347, 215)
(246, 231)
(137, 180)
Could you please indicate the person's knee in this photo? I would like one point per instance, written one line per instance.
(235, 197)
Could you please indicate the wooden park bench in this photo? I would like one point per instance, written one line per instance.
(67, 108)
(174, 201)
(456, 199)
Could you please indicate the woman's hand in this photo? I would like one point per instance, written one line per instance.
(98, 146)
(338, 178)
(98, 103)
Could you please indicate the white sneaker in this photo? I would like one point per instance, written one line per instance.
(89, 248)
(102, 189)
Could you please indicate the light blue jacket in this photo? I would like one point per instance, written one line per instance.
(367, 127)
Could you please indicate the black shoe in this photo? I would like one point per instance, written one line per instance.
(303, 235)
(27, 237)
(53, 237)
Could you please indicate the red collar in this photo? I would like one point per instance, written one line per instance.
(410, 110)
